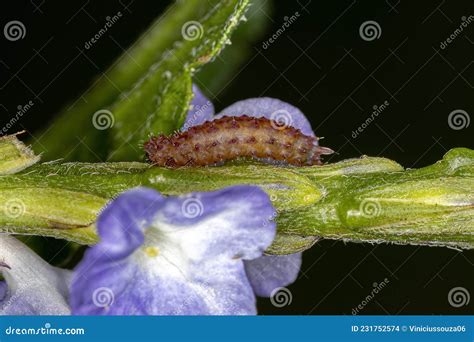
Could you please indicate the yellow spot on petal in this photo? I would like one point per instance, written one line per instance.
(152, 251)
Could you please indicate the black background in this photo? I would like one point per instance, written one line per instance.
(321, 65)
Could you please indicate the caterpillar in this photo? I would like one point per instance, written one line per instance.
(232, 137)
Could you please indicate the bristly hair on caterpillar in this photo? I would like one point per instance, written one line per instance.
(232, 137)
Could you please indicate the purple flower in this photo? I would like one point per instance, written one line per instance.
(197, 254)
(281, 112)
(268, 272)
(271, 272)
(201, 110)
(176, 255)
(31, 286)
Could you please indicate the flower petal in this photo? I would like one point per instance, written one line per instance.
(201, 110)
(177, 255)
(235, 221)
(31, 286)
(282, 112)
(270, 272)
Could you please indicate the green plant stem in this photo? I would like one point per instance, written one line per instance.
(366, 199)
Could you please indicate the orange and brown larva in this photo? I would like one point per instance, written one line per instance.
(233, 137)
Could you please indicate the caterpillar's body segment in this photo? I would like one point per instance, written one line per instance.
(233, 137)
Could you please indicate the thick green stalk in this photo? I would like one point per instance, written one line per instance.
(366, 199)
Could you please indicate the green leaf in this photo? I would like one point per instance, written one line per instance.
(61, 140)
(160, 100)
(215, 77)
